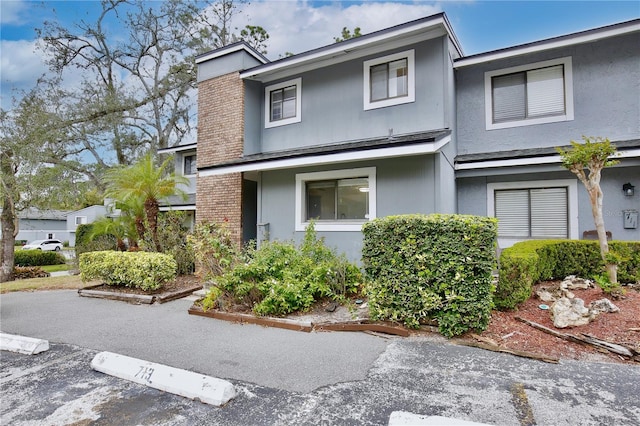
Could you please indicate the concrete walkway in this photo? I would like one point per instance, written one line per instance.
(284, 377)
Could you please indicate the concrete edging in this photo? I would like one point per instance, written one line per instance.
(206, 389)
(22, 344)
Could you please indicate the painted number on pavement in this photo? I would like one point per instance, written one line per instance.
(145, 373)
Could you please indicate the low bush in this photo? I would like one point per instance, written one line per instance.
(437, 266)
(143, 270)
(38, 258)
(213, 250)
(279, 278)
(525, 263)
(84, 242)
(26, 272)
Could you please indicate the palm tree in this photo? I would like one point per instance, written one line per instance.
(146, 184)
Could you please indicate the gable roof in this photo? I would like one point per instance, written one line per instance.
(591, 35)
(400, 35)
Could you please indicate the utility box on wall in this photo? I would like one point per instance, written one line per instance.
(630, 218)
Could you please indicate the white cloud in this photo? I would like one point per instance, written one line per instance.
(298, 26)
(20, 67)
(12, 12)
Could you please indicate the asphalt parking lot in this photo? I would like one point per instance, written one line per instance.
(283, 377)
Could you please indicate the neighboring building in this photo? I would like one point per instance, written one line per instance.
(400, 121)
(185, 165)
(37, 224)
(515, 105)
(83, 217)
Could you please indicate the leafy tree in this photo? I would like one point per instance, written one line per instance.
(145, 184)
(24, 171)
(586, 161)
(137, 92)
(347, 34)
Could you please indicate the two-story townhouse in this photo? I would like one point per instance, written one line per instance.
(185, 159)
(339, 135)
(399, 121)
(515, 105)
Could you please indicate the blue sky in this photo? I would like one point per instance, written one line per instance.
(296, 26)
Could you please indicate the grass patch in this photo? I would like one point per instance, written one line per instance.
(72, 282)
(55, 268)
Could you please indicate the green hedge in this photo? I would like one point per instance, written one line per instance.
(147, 271)
(38, 258)
(525, 263)
(435, 266)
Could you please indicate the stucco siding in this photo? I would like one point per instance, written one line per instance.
(332, 104)
(606, 97)
(404, 185)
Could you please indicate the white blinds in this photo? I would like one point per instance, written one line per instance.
(512, 211)
(509, 97)
(545, 91)
(529, 94)
(549, 213)
(532, 213)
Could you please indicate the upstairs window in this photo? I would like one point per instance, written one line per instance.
(533, 94)
(189, 165)
(389, 80)
(283, 103)
(81, 220)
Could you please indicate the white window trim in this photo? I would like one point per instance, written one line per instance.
(267, 103)
(302, 178)
(570, 184)
(568, 94)
(83, 220)
(184, 165)
(411, 81)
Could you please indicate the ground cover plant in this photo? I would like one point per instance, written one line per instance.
(279, 277)
(421, 267)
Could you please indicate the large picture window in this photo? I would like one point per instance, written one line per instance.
(283, 103)
(337, 200)
(533, 94)
(389, 80)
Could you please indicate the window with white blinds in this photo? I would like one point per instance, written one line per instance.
(529, 94)
(532, 213)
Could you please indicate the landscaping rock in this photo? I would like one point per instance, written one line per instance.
(603, 305)
(568, 312)
(572, 282)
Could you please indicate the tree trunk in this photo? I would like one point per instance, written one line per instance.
(151, 209)
(596, 197)
(7, 254)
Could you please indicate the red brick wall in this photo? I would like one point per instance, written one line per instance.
(220, 139)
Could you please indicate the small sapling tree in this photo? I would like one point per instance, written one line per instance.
(586, 160)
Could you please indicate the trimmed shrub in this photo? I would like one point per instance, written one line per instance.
(436, 266)
(38, 258)
(143, 270)
(279, 278)
(525, 263)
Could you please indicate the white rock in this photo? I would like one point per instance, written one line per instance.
(569, 313)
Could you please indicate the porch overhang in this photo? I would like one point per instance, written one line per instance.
(628, 150)
(370, 149)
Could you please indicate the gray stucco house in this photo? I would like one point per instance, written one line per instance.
(400, 121)
(185, 165)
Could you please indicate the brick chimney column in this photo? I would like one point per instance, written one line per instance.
(220, 139)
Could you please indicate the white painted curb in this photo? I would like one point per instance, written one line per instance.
(209, 390)
(24, 345)
(402, 418)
